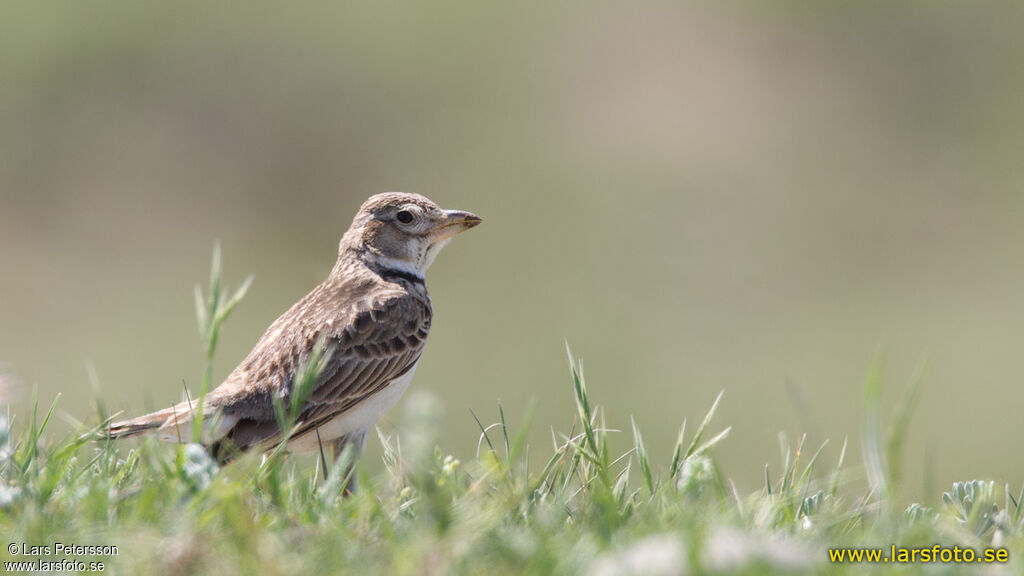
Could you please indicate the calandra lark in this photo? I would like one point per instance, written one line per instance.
(372, 313)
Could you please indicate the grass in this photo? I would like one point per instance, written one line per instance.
(170, 510)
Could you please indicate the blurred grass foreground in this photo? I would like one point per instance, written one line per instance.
(168, 509)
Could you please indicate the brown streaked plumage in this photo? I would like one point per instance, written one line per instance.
(373, 313)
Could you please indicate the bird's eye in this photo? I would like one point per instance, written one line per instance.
(404, 216)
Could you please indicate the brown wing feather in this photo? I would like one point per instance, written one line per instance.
(375, 338)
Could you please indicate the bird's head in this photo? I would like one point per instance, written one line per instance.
(403, 231)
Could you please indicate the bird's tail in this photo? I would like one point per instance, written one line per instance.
(167, 418)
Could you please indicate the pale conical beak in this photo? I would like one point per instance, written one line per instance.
(456, 221)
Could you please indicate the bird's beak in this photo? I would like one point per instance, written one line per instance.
(455, 221)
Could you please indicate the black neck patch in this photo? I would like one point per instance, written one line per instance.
(393, 273)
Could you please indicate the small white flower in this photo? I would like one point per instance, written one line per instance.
(199, 467)
(8, 495)
(653, 556)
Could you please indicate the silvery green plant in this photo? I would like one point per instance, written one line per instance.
(696, 475)
(5, 436)
(918, 513)
(197, 468)
(813, 503)
(974, 505)
(8, 494)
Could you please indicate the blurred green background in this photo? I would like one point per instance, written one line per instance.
(756, 198)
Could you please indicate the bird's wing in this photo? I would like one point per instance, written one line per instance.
(371, 342)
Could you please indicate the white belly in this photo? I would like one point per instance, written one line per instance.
(361, 418)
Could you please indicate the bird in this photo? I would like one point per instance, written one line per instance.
(372, 316)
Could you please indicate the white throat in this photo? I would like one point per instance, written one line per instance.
(433, 251)
(401, 265)
(423, 260)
